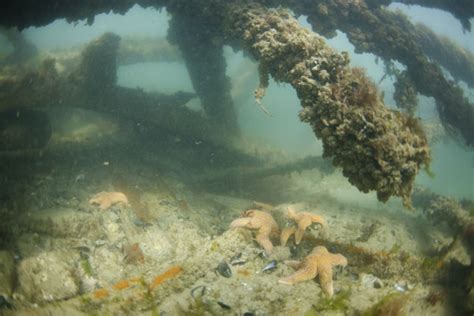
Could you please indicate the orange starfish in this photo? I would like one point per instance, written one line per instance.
(262, 221)
(303, 219)
(285, 234)
(107, 199)
(319, 262)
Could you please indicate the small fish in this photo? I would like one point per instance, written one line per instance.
(270, 267)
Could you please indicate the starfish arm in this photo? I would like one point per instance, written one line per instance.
(260, 219)
(263, 240)
(318, 219)
(241, 222)
(291, 213)
(295, 264)
(122, 198)
(325, 279)
(96, 199)
(299, 235)
(285, 234)
(105, 204)
(303, 274)
(338, 260)
(265, 229)
(304, 223)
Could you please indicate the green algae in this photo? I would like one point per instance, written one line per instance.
(339, 302)
(86, 267)
(391, 304)
(89, 306)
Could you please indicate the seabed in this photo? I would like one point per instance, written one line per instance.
(70, 132)
(159, 254)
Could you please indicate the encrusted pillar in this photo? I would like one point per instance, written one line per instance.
(98, 69)
(377, 149)
(394, 39)
(202, 49)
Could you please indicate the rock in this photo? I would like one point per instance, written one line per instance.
(47, 277)
(7, 272)
(156, 245)
(108, 266)
(63, 222)
(378, 284)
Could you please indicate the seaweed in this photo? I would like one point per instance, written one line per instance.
(86, 266)
(367, 231)
(434, 297)
(468, 205)
(390, 305)
(89, 306)
(199, 308)
(339, 302)
(395, 248)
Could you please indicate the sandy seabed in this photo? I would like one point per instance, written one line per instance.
(159, 254)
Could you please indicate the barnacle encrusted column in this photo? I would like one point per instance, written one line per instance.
(202, 50)
(447, 210)
(457, 60)
(98, 68)
(463, 10)
(390, 36)
(378, 149)
(405, 95)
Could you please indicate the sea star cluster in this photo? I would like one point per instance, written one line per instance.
(318, 263)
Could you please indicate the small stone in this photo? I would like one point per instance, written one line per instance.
(403, 286)
(378, 284)
(370, 281)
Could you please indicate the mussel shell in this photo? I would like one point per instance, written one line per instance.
(224, 269)
(237, 260)
(272, 265)
(224, 305)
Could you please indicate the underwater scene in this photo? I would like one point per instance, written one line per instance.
(239, 157)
